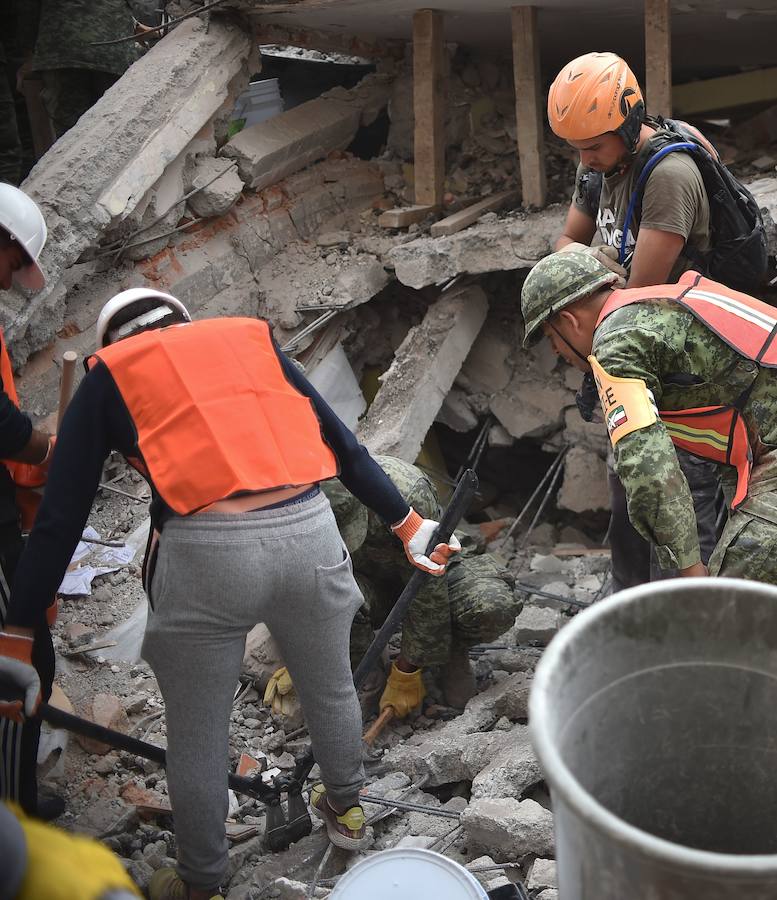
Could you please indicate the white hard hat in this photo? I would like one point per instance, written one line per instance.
(21, 218)
(144, 319)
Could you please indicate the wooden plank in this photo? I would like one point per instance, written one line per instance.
(529, 106)
(658, 56)
(404, 216)
(723, 93)
(470, 214)
(429, 106)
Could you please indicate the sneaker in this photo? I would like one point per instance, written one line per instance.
(165, 884)
(347, 830)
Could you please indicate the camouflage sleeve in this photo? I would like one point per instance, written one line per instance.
(659, 500)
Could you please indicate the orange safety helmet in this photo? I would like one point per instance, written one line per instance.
(594, 94)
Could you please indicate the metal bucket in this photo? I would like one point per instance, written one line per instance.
(654, 717)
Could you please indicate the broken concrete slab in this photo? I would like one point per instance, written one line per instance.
(97, 173)
(517, 241)
(584, 487)
(422, 372)
(271, 150)
(509, 828)
(511, 771)
(262, 655)
(531, 407)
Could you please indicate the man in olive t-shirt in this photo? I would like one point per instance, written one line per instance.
(596, 105)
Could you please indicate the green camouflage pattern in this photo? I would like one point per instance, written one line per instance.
(68, 28)
(685, 365)
(557, 281)
(473, 603)
(68, 93)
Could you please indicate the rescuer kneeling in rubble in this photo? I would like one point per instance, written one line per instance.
(472, 604)
(690, 364)
(234, 442)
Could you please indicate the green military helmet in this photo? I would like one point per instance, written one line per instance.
(557, 281)
(351, 515)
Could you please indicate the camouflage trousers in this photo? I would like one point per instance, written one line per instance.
(748, 546)
(473, 604)
(68, 93)
(10, 143)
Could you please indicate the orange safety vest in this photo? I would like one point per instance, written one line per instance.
(749, 327)
(214, 413)
(24, 475)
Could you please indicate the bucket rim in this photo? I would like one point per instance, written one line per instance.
(574, 795)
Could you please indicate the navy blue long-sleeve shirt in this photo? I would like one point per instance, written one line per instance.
(97, 422)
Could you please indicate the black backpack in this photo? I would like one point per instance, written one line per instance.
(738, 254)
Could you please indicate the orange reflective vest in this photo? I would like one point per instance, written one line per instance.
(24, 475)
(749, 327)
(214, 413)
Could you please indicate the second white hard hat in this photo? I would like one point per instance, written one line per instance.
(127, 299)
(23, 220)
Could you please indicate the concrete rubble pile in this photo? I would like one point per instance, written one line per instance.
(281, 221)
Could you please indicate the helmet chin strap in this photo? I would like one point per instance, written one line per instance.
(577, 353)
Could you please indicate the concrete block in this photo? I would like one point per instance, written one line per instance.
(262, 655)
(422, 372)
(219, 195)
(107, 710)
(542, 874)
(511, 771)
(509, 828)
(280, 146)
(584, 486)
(531, 406)
(548, 894)
(536, 625)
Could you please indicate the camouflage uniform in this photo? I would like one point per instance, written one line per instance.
(17, 37)
(686, 365)
(473, 603)
(75, 74)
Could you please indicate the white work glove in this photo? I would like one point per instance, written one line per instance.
(415, 533)
(17, 669)
(606, 255)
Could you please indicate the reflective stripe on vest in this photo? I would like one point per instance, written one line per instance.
(24, 475)
(749, 327)
(214, 413)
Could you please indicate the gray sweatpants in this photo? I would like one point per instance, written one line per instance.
(216, 576)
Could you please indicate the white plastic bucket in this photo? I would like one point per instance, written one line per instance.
(408, 873)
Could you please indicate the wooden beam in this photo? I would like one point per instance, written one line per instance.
(658, 56)
(725, 92)
(403, 216)
(529, 108)
(470, 214)
(429, 106)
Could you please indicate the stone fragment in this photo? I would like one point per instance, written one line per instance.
(536, 625)
(584, 487)
(548, 894)
(509, 828)
(531, 407)
(219, 195)
(511, 771)
(542, 874)
(107, 710)
(339, 239)
(139, 871)
(547, 564)
(286, 143)
(422, 372)
(99, 816)
(262, 655)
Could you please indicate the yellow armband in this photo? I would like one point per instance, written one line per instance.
(627, 403)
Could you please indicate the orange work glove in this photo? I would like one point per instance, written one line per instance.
(415, 533)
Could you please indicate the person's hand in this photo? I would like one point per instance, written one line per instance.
(279, 694)
(16, 669)
(415, 533)
(606, 255)
(697, 570)
(404, 691)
